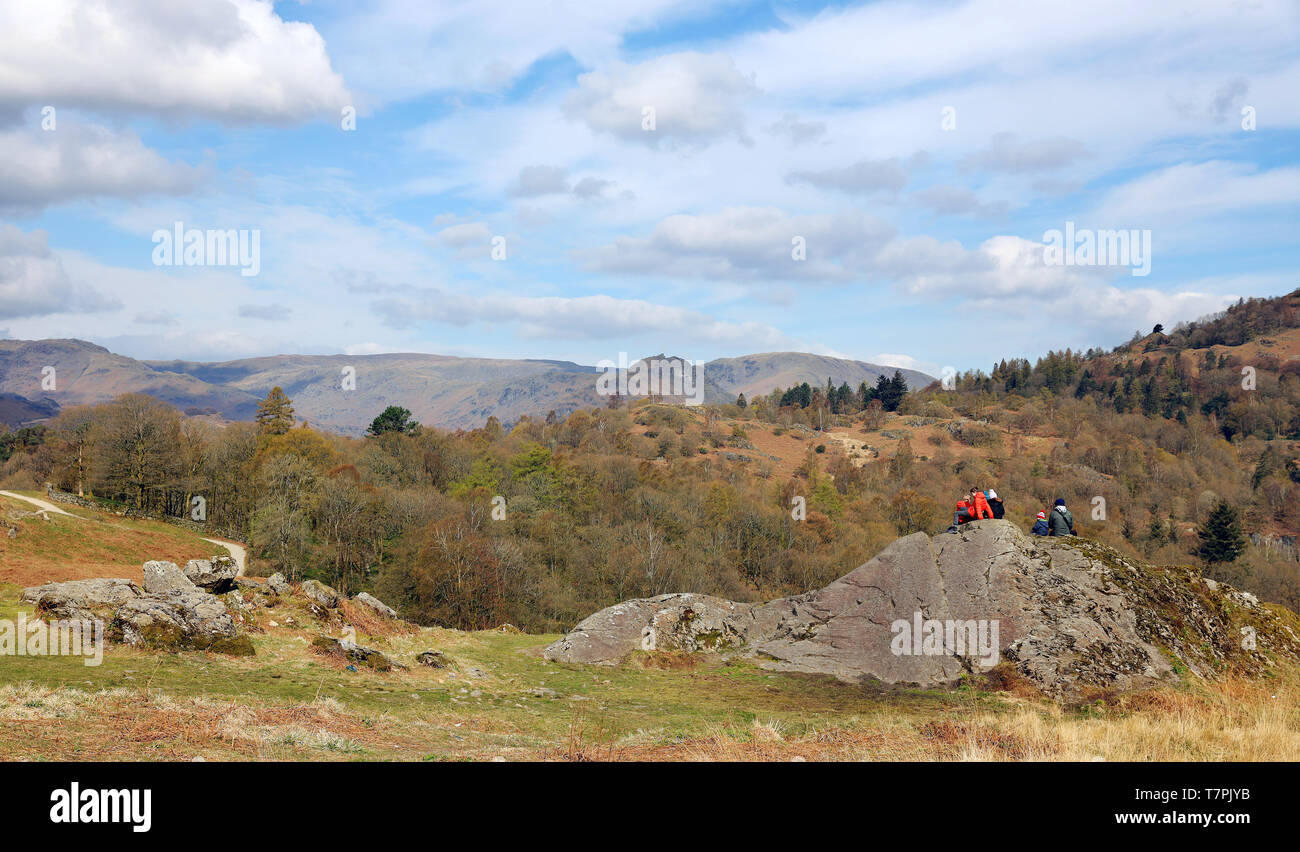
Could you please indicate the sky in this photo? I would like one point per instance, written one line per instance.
(572, 180)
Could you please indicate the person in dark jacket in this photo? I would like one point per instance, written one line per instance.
(995, 503)
(1062, 522)
(1040, 525)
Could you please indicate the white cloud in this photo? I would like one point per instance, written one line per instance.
(34, 283)
(695, 98)
(41, 167)
(233, 60)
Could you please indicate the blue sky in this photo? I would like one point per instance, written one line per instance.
(918, 153)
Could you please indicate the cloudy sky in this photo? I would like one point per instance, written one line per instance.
(868, 180)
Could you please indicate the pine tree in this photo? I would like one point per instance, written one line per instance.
(1221, 536)
(275, 413)
(741, 402)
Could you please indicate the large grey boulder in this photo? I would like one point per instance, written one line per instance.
(83, 594)
(277, 584)
(1067, 615)
(162, 578)
(217, 575)
(320, 593)
(179, 620)
(371, 602)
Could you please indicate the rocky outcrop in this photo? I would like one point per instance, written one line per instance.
(179, 620)
(79, 599)
(320, 593)
(1068, 615)
(373, 603)
(168, 613)
(276, 583)
(216, 575)
(161, 578)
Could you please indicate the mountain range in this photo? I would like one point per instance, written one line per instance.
(343, 393)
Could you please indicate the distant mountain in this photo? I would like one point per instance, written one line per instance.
(16, 411)
(758, 375)
(444, 391)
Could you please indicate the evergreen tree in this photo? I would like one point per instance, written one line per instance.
(1221, 537)
(397, 419)
(275, 413)
(740, 401)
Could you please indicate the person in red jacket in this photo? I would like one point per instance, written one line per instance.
(979, 505)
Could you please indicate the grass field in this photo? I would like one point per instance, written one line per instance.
(500, 700)
(89, 544)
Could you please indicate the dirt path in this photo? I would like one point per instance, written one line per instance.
(40, 504)
(237, 551)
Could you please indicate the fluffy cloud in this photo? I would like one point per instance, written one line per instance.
(33, 282)
(233, 60)
(696, 98)
(41, 167)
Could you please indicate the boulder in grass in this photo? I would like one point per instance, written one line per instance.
(277, 584)
(84, 594)
(355, 653)
(370, 601)
(179, 620)
(433, 659)
(320, 593)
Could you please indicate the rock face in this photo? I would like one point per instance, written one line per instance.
(1068, 615)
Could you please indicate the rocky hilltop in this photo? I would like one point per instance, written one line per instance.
(1069, 615)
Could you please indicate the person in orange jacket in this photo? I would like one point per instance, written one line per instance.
(979, 505)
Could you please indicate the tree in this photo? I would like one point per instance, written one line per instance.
(394, 419)
(139, 445)
(740, 401)
(1221, 537)
(1159, 329)
(275, 413)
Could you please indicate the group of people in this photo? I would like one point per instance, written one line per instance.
(981, 504)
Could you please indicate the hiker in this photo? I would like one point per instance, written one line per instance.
(1062, 522)
(1040, 525)
(961, 516)
(979, 505)
(995, 503)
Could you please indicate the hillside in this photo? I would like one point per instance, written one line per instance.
(443, 391)
(437, 694)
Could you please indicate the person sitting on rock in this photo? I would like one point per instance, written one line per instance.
(979, 505)
(995, 503)
(1040, 525)
(961, 516)
(1062, 522)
